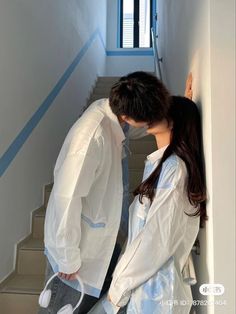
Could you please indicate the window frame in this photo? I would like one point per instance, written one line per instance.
(136, 24)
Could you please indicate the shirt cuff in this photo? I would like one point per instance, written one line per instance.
(109, 307)
(69, 268)
(119, 297)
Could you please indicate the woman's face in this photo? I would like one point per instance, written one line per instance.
(159, 128)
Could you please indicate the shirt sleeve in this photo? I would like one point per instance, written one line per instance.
(153, 246)
(72, 181)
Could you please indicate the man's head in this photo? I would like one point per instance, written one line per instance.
(139, 98)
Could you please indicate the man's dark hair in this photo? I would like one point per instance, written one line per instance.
(140, 96)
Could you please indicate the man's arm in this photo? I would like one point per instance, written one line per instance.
(73, 181)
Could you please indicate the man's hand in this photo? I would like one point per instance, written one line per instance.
(68, 276)
(109, 299)
(188, 87)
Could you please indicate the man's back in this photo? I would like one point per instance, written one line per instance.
(84, 209)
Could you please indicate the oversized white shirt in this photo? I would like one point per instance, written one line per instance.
(160, 240)
(84, 209)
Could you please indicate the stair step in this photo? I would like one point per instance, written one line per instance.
(107, 79)
(94, 98)
(33, 244)
(40, 212)
(142, 147)
(104, 86)
(20, 294)
(47, 192)
(102, 89)
(11, 303)
(136, 161)
(135, 178)
(99, 96)
(38, 223)
(24, 284)
(31, 262)
(149, 138)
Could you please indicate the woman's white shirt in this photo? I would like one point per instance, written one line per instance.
(167, 232)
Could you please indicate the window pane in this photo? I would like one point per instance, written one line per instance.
(144, 23)
(128, 23)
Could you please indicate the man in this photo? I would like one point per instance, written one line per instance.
(84, 209)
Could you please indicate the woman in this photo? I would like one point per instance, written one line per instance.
(164, 220)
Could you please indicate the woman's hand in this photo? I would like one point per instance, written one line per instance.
(69, 277)
(188, 87)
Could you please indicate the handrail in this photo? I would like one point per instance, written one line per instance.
(157, 60)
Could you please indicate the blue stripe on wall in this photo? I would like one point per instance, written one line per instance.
(21, 138)
(19, 141)
(131, 53)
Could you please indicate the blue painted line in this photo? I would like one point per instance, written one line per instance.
(115, 53)
(19, 141)
(24, 134)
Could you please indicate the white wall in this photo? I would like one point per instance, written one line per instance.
(121, 65)
(39, 40)
(198, 36)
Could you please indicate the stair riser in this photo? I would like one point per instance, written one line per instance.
(31, 262)
(91, 100)
(102, 90)
(135, 178)
(137, 161)
(102, 85)
(142, 147)
(18, 303)
(46, 197)
(106, 79)
(38, 227)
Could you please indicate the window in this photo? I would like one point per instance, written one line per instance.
(135, 23)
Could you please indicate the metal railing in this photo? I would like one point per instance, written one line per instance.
(157, 59)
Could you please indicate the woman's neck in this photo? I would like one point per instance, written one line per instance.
(163, 139)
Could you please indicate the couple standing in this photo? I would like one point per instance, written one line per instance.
(85, 207)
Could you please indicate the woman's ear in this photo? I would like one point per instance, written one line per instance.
(123, 118)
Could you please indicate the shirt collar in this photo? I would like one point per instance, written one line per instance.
(115, 124)
(157, 155)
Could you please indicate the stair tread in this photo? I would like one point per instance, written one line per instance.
(48, 187)
(147, 138)
(24, 284)
(100, 78)
(135, 171)
(40, 212)
(33, 244)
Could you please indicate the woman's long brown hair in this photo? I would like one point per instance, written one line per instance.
(186, 142)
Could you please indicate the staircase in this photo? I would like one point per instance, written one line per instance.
(102, 88)
(20, 291)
